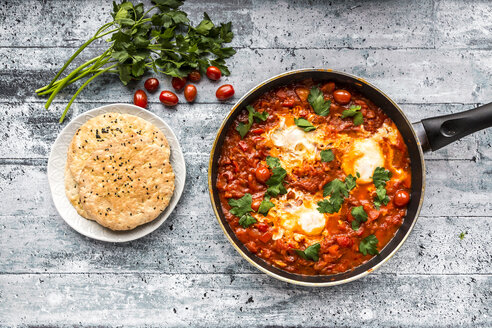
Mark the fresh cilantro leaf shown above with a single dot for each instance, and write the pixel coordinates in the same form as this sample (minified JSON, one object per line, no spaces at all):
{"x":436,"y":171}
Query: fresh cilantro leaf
{"x":381,"y":197}
{"x":350,"y":181}
{"x":379,"y":178}
{"x":241,"y":206}
{"x":304,"y":124}
{"x":273,"y":162}
{"x":265,"y":205}
{"x":462,"y":235}
{"x":246,"y":220}
{"x":310,"y":253}
{"x":359,"y":216}
{"x":327,"y":155}
{"x":338,"y":190}
{"x":368,"y":245}
{"x":275,"y":183}
{"x":243,"y":128}
{"x":331,"y":206}
{"x":354,"y":112}
{"x":317,"y":101}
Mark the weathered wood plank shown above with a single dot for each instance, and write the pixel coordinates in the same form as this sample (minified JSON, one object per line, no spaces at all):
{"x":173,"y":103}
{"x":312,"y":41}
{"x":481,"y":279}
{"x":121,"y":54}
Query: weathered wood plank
{"x":243,"y":300}
{"x":323,"y":24}
{"x":474,"y":27}
{"x":195,"y":243}
{"x":30,"y":130}
{"x":455,"y":188}
{"x":408,"y":76}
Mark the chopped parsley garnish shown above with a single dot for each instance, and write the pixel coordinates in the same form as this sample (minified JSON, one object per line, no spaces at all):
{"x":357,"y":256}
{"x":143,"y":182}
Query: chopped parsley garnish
{"x":379,"y":178}
{"x":310,"y":253}
{"x":275,"y":183}
{"x":317,"y":100}
{"x":243,"y":128}
{"x":247,"y":220}
{"x":359,"y":216}
{"x":304,"y":124}
{"x":463,"y":234}
{"x":241,"y":208}
{"x":368,"y":245}
{"x":327,"y":155}
{"x":337,"y":190}
{"x":354,"y":111}
{"x":265,"y":205}
{"x":350,"y":180}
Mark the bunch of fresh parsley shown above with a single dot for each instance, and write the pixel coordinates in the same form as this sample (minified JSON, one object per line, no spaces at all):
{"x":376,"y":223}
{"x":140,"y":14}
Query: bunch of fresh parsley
{"x":165,"y":42}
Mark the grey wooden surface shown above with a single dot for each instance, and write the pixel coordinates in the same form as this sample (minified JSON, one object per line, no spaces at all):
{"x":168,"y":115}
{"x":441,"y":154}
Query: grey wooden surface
{"x":432,"y":57}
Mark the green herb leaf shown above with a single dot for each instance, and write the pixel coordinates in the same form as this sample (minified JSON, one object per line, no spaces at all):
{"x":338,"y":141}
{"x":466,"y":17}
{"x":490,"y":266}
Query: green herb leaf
{"x":310,"y":253}
{"x":327,"y":155}
{"x":275,"y":183}
{"x":243,"y":128}
{"x":350,"y":181}
{"x":359,"y":216}
{"x":265,"y":205}
{"x":241,"y":206}
{"x":246,"y":220}
{"x":273,"y":162}
{"x":462,"y":235}
{"x":354,"y":112}
{"x":304,"y":124}
{"x":379,"y":178}
{"x":368,"y":245}
{"x":338,"y":190}
{"x":317,"y":101}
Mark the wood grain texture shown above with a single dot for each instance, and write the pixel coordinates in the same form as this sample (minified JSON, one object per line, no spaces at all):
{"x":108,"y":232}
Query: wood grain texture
{"x":433,"y":57}
{"x":407,"y":75}
{"x":244,"y":300}
{"x":434,"y":247}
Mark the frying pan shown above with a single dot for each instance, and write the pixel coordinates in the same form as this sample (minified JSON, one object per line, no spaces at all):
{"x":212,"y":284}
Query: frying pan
{"x":428,"y":134}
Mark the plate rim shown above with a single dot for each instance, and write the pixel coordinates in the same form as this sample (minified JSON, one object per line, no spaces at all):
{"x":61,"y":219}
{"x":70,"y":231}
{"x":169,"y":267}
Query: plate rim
{"x":180,"y":181}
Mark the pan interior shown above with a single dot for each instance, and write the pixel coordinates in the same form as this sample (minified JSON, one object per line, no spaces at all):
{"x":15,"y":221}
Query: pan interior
{"x":405,"y":128}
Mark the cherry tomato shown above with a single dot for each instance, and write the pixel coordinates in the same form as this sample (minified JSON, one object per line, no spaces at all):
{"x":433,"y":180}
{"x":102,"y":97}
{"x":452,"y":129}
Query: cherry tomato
{"x":401,"y":198}
{"x":140,"y":98}
{"x":262,"y":227}
{"x":342,"y":96}
{"x":213,"y":73}
{"x":168,"y":98}
{"x":178,"y":83}
{"x":151,"y":84}
{"x":194,"y":76}
{"x":224,"y":92}
{"x":262,"y":174}
{"x":190,"y":92}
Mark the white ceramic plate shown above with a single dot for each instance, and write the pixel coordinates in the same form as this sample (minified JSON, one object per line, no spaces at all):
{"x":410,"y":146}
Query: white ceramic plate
{"x":56,"y":168}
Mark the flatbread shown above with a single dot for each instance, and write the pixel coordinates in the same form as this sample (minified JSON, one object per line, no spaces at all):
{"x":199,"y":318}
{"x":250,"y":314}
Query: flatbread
{"x":127,"y":185}
{"x":103,"y":131}
{"x":72,"y":192}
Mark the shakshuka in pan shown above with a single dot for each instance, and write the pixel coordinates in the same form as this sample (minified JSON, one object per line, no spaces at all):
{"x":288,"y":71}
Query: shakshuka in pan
{"x":314,"y":178}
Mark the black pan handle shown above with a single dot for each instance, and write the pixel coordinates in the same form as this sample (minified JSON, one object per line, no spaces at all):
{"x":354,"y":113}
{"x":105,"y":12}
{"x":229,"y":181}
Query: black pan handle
{"x":437,"y":132}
